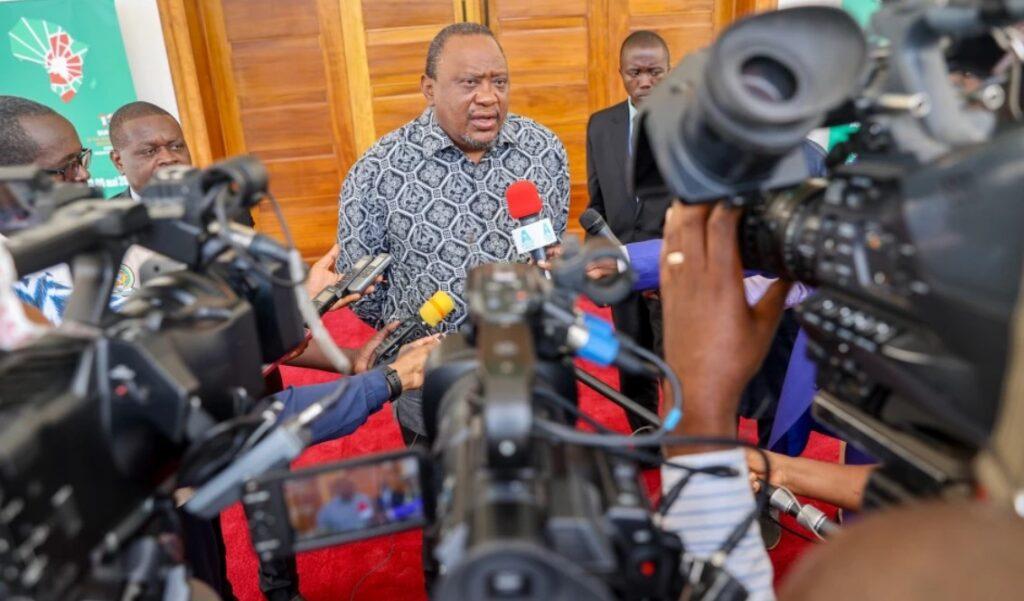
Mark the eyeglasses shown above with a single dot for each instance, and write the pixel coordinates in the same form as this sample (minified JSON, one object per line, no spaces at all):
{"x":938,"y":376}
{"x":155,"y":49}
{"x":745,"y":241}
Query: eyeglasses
{"x":67,"y":172}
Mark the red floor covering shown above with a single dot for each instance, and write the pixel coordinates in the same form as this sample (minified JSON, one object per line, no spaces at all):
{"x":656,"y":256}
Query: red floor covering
{"x":388,"y":568}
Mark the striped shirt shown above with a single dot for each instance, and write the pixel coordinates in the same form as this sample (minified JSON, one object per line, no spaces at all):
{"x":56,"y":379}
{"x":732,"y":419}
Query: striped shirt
{"x":709,"y":508}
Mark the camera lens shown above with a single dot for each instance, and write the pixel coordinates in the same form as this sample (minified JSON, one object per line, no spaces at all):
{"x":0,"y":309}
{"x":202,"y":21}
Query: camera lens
{"x":767,"y":79}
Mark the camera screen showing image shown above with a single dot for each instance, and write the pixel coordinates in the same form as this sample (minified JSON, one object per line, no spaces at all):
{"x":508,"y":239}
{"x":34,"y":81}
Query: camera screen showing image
{"x":348,"y":502}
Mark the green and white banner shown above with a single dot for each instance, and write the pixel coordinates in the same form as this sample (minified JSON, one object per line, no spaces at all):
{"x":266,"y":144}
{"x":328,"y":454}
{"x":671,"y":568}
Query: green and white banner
{"x":69,"y":55}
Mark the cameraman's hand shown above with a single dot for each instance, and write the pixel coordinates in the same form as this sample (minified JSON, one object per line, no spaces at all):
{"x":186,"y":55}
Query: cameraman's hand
{"x":362,"y":360}
{"x":411,"y":359}
{"x":714,"y":340}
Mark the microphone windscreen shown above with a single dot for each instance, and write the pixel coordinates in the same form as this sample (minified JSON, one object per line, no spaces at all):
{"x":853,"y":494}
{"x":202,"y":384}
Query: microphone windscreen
{"x":523,"y":199}
{"x":436,"y":308}
{"x":591,"y":221}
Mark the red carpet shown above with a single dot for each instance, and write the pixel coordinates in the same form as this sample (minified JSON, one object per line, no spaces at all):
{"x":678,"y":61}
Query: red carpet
{"x":388,"y":568}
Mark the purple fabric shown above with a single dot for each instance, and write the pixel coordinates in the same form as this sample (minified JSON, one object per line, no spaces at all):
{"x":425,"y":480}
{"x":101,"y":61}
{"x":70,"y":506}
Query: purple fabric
{"x":643,"y":258}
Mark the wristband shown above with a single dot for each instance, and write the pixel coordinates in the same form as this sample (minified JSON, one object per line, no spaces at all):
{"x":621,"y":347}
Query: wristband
{"x":394,"y":382}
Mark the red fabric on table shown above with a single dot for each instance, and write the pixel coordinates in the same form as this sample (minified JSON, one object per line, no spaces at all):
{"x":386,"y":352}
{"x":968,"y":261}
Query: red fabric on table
{"x":388,"y":568}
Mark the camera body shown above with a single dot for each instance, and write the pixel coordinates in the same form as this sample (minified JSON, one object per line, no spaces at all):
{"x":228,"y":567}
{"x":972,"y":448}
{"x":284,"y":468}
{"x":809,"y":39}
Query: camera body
{"x":521,"y":516}
{"x":97,"y":414}
{"x":913,"y":248}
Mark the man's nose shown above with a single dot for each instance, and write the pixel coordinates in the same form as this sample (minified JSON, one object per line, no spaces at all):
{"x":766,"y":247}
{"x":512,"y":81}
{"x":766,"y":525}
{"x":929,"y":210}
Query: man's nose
{"x":486,"y":94}
{"x":81,"y":174}
{"x":165,"y":158}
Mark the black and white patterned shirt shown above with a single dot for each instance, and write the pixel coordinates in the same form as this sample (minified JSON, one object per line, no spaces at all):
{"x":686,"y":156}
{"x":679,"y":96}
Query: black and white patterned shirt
{"x":415,"y":195}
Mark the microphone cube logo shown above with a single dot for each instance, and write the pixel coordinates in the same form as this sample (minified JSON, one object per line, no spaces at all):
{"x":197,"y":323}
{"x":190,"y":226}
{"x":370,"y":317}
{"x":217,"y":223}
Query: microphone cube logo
{"x":51,"y":47}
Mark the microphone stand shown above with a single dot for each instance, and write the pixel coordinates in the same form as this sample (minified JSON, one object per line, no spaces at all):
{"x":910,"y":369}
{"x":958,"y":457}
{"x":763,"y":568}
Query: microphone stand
{"x":598,"y":386}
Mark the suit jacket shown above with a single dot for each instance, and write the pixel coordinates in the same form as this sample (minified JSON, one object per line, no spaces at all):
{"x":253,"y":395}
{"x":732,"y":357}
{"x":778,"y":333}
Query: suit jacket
{"x":607,"y":155}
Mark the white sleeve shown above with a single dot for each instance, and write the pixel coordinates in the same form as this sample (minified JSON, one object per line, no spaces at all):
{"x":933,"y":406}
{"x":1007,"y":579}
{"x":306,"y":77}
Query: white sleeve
{"x":708,"y":510}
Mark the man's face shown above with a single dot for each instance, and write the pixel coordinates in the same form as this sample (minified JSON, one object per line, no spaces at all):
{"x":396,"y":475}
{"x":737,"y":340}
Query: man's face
{"x":470,"y":94}
{"x":149,"y":143}
{"x":345,"y":490}
{"x":641,"y":69}
{"x":60,"y":149}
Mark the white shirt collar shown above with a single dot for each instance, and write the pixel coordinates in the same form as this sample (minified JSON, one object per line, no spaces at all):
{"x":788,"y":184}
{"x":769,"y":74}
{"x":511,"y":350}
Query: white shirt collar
{"x":135,"y":195}
{"x":632,"y":109}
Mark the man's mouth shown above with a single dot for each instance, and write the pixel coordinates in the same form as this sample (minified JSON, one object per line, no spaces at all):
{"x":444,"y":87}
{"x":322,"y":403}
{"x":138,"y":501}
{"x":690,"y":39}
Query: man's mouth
{"x":484,"y":122}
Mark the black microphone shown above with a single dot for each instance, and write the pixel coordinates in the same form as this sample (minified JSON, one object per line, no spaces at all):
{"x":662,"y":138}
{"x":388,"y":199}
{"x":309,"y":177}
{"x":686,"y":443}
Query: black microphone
{"x":414,"y":327}
{"x":595,"y":225}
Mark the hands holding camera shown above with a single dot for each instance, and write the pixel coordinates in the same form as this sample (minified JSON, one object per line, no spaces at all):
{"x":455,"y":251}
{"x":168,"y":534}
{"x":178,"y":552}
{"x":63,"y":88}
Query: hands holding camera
{"x":717,"y":341}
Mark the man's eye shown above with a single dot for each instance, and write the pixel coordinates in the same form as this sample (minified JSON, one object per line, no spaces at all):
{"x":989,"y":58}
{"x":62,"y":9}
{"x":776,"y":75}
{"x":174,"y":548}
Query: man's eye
{"x":178,"y":147}
{"x":634,"y":73}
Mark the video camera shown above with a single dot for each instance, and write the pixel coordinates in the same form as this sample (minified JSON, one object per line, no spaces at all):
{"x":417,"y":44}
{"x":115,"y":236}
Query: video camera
{"x":96,"y":416}
{"x":914,"y":247}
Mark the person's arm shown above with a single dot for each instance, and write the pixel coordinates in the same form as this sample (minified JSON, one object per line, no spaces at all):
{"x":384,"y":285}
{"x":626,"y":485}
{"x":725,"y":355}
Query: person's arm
{"x":313,"y":357}
{"x":835,"y":483}
{"x":714,"y":342}
{"x":365,"y":395}
{"x":362,"y":230}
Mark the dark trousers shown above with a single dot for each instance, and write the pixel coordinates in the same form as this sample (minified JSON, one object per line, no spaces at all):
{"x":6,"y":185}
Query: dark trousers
{"x":640,"y":319}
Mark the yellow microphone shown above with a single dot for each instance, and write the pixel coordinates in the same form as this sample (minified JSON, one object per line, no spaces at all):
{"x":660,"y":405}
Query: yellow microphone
{"x":431,"y":313}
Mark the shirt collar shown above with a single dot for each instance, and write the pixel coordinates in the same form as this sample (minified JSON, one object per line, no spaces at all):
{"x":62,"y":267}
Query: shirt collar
{"x":135,"y":195}
{"x":433,"y":129}
{"x":632,"y":109}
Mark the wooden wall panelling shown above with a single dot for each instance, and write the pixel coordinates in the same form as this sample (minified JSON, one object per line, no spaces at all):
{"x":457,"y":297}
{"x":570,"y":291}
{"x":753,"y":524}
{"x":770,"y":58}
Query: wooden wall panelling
{"x":548,"y":46}
{"x":283,"y":95}
{"x":394,"y":54}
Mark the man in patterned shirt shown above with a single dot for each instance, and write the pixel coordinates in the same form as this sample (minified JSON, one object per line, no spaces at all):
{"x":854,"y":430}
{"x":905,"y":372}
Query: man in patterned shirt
{"x":432,"y":193}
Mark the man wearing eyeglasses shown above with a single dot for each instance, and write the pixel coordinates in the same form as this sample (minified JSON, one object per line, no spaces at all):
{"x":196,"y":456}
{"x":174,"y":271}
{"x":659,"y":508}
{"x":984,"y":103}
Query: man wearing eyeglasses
{"x":34,"y":134}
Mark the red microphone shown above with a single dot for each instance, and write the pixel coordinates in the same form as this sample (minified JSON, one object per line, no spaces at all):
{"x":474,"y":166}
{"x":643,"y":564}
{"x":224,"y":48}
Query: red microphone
{"x":523,"y":201}
{"x":525,"y":206}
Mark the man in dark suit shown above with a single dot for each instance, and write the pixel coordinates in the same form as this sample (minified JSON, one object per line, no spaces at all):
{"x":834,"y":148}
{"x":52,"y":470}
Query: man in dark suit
{"x":643,"y":62}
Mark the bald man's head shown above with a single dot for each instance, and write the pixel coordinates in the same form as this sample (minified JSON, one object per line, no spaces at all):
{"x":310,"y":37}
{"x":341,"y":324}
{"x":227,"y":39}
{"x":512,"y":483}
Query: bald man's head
{"x":931,"y":552}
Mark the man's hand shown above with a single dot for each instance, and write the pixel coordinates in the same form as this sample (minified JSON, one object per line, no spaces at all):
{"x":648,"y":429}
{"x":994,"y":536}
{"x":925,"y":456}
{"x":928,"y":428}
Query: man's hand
{"x":551,"y":253}
{"x":411,"y":359}
{"x":322,"y":273}
{"x":602,"y":268}
{"x":362,"y":360}
{"x":758,"y":471}
{"x":714,"y":340}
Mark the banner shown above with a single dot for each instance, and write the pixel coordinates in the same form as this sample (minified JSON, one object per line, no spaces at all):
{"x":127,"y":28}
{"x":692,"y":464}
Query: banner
{"x":69,"y":55}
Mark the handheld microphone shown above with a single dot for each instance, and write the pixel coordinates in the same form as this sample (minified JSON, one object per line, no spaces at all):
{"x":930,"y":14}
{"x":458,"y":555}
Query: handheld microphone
{"x":524,"y":205}
{"x":808,"y":516}
{"x":595,"y":225}
{"x":431,"y":313}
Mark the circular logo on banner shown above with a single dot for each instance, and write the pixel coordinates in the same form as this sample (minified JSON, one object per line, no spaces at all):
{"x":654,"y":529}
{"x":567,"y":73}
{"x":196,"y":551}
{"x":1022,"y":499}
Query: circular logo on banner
{"x":125,"y":280}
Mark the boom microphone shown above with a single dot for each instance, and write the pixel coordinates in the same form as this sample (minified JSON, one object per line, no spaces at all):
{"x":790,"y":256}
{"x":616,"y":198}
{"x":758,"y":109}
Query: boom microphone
{"x":414,"y":327}
{"x":524,"y":205}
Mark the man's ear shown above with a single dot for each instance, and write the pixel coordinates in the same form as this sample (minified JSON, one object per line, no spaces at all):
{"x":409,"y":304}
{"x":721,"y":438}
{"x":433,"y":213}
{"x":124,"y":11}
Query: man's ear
{"x":115,"y":158}
{"x":427,"y":87}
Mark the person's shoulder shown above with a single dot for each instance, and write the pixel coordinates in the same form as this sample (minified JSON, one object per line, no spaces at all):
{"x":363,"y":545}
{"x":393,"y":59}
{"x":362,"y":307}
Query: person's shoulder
{"x":408,"y":133}
{"x":607,"y":114}
{"x":521,"y":126}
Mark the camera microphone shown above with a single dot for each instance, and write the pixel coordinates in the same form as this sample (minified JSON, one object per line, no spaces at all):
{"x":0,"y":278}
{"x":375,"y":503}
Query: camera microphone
{"x":432,"y":312}
{"x":808,"y":516}
{"x":536,"y":232}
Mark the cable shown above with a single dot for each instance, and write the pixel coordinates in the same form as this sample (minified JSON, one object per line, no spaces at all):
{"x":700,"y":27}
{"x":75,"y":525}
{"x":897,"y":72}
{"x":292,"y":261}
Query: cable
{"x":553,"y":397}
{"x":793,"y":532}
{"x":675,"y":414}
{"x":380,"y":564}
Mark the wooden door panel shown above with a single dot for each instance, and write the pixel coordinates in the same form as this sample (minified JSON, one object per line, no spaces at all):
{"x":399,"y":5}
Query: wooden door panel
{"x":260,"y":67}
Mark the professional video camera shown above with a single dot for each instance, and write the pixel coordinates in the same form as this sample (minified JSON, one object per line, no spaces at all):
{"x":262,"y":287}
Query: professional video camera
{"x":96,"y":415}
{"x":914,"y":247}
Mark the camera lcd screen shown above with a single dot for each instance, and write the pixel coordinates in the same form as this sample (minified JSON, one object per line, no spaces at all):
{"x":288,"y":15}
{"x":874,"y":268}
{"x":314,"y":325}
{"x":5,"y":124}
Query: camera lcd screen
{"x":355,"y":502}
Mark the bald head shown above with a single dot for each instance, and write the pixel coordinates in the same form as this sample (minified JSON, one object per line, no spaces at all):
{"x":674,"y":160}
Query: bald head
{"x":931,"y":552}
